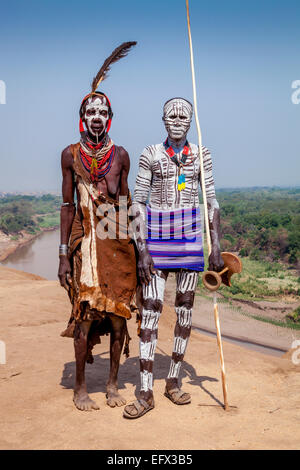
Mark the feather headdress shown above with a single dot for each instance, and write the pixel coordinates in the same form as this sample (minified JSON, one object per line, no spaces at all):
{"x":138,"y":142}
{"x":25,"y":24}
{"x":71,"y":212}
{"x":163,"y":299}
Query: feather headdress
{"x":116,"y":55}
{"x":120,"y":52}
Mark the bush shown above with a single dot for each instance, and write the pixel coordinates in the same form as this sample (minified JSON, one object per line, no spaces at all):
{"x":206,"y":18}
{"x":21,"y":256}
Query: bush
{"x":294,"y":316}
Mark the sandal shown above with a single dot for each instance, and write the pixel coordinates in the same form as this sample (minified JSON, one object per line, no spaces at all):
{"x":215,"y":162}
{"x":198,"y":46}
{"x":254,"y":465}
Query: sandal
{"x":176,"y":396}
{"x":141,"y":407}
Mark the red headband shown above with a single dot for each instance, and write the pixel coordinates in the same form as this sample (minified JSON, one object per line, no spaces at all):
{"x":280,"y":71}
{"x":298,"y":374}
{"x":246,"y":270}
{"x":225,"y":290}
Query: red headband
{"x":81,"y":128}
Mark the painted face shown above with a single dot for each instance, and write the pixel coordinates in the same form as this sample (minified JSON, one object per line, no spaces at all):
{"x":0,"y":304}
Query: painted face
{"x":96,"y":115}
{"x":177,"y":118}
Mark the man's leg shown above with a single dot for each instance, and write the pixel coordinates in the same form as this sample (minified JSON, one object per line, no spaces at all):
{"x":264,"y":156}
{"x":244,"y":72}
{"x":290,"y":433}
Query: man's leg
{"x":152,"y":304}
{"x":81,"y":399}
{"x":117,"y":335}
{"x":185,"y":291}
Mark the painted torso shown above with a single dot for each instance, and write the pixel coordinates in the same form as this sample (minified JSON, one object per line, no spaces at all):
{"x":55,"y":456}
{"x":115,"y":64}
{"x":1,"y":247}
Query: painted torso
{"x":158,"y":178}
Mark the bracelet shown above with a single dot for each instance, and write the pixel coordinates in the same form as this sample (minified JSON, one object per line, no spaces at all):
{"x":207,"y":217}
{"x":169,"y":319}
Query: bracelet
{"x":63,"y":250}
{"x":67,"y":204}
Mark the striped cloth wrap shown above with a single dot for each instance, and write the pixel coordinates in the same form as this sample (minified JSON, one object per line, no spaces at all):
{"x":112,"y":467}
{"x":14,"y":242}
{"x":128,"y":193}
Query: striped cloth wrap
{"x":174,"y":238}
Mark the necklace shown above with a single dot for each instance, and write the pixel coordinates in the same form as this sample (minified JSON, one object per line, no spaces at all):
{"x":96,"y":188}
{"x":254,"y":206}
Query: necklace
{"x":97,"y":159}
{"x":180,"y":163}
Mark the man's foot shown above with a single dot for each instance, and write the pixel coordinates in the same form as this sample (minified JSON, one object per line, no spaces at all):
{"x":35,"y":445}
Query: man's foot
{"x":83,"y":402}
{"x":113,"y":397}
{"x":177,"y":396}
{"x":138,"y":408}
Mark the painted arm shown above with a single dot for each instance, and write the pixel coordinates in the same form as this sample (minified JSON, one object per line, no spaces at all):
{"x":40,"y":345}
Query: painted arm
{"x":141,"y":193}
{"x":215,"y":259}
{"x":67,"y":214}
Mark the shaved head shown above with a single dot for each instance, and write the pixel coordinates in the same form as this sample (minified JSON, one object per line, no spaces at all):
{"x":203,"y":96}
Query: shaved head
{"x":177,"y":116}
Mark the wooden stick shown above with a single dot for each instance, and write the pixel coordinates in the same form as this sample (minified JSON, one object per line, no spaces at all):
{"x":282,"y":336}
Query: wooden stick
{"x":219,"y":340}
{"x":199,"y":133}
{"x":208,"y":240}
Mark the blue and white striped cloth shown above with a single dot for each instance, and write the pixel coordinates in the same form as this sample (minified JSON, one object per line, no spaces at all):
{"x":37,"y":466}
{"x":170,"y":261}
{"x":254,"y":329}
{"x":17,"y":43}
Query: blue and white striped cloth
{"x":174,"y":238}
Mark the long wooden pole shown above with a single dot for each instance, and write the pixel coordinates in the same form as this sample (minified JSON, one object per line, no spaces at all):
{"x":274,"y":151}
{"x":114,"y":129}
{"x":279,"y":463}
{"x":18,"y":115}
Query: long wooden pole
{"x":219,"y":340}
{"x":216,"y":312}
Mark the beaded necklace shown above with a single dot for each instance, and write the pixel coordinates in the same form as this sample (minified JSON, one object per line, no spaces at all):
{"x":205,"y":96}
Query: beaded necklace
{"x":179,"y":163}
{"x":96,"y":161}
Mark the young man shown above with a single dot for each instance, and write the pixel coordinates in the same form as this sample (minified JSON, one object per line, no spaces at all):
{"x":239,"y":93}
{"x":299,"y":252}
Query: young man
{"x":98,"y":268}
{"x":169,"y":174}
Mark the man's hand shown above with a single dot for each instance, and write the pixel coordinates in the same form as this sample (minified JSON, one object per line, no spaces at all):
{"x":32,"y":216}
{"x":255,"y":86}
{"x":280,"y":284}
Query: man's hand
{"x":215,"y":259}
{"x":64,"y":272}
{"x":145,"y":267}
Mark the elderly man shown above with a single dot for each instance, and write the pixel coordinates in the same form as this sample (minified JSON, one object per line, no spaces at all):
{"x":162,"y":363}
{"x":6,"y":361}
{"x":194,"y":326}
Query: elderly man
{"x":169,"y":175}
{"x":97,"y":267}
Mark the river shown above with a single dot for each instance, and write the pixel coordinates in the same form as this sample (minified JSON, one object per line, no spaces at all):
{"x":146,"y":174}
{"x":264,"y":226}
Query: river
{"x":41,"y":257}
{"x":37,"y":257}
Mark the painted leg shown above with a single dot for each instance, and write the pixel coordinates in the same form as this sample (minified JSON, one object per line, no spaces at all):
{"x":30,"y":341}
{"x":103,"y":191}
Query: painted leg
{"x":81,"y":399}
{"x":151,"y":309}
{"x":186,"y":285}
{"x":116,"y":344}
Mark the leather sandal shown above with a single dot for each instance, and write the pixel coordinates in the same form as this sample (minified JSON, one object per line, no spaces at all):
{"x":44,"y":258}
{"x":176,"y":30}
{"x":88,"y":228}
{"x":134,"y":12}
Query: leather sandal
{"x":141,"y":407}
{"x":176,"y":395}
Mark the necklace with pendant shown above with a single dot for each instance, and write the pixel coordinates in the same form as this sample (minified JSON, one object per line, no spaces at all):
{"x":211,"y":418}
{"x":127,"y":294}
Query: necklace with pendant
{"x":180,"y":164}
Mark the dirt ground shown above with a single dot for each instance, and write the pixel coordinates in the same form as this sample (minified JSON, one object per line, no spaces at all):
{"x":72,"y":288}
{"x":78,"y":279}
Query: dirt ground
{"x":36,"y":383}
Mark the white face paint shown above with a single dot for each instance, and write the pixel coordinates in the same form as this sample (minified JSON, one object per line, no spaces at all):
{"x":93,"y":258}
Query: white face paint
{"x":96,"y":115}
{"x":177,"y":118}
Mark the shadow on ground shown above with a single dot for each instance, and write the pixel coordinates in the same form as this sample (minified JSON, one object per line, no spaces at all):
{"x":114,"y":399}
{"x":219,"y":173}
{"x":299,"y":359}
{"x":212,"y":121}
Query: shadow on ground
{"x":97,"y":374}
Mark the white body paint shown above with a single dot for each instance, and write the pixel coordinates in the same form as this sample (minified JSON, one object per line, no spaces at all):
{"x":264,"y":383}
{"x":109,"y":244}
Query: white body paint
{"x":147,"y":350}
{"x":94,"y":110}
{"x":156,"y":288}
{"x":174,"y":369}
{"x":177,"y":118}
{"x":157,"y":186}
{"x":184,"y":314}
{"x":212,"y":204}
{"x":146,"y":380}
{"x":149,"y":320}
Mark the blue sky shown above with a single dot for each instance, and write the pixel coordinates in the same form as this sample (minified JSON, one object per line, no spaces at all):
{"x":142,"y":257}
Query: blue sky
{"x":247,"y":54}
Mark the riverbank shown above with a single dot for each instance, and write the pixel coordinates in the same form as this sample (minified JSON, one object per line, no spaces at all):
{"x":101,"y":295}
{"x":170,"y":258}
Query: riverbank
{"x":243,"y":322}
{"x":8,"y":245}
{"x":37,"y":381}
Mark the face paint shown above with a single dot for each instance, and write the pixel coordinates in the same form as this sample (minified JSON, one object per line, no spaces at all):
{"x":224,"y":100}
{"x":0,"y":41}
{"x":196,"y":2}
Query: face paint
{"x":96,"y":115}
{"x":177,"y":118}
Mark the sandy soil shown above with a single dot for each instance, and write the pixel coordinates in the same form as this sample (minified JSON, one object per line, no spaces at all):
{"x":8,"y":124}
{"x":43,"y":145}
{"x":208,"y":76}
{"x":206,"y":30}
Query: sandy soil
{"x":36,"y":383}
